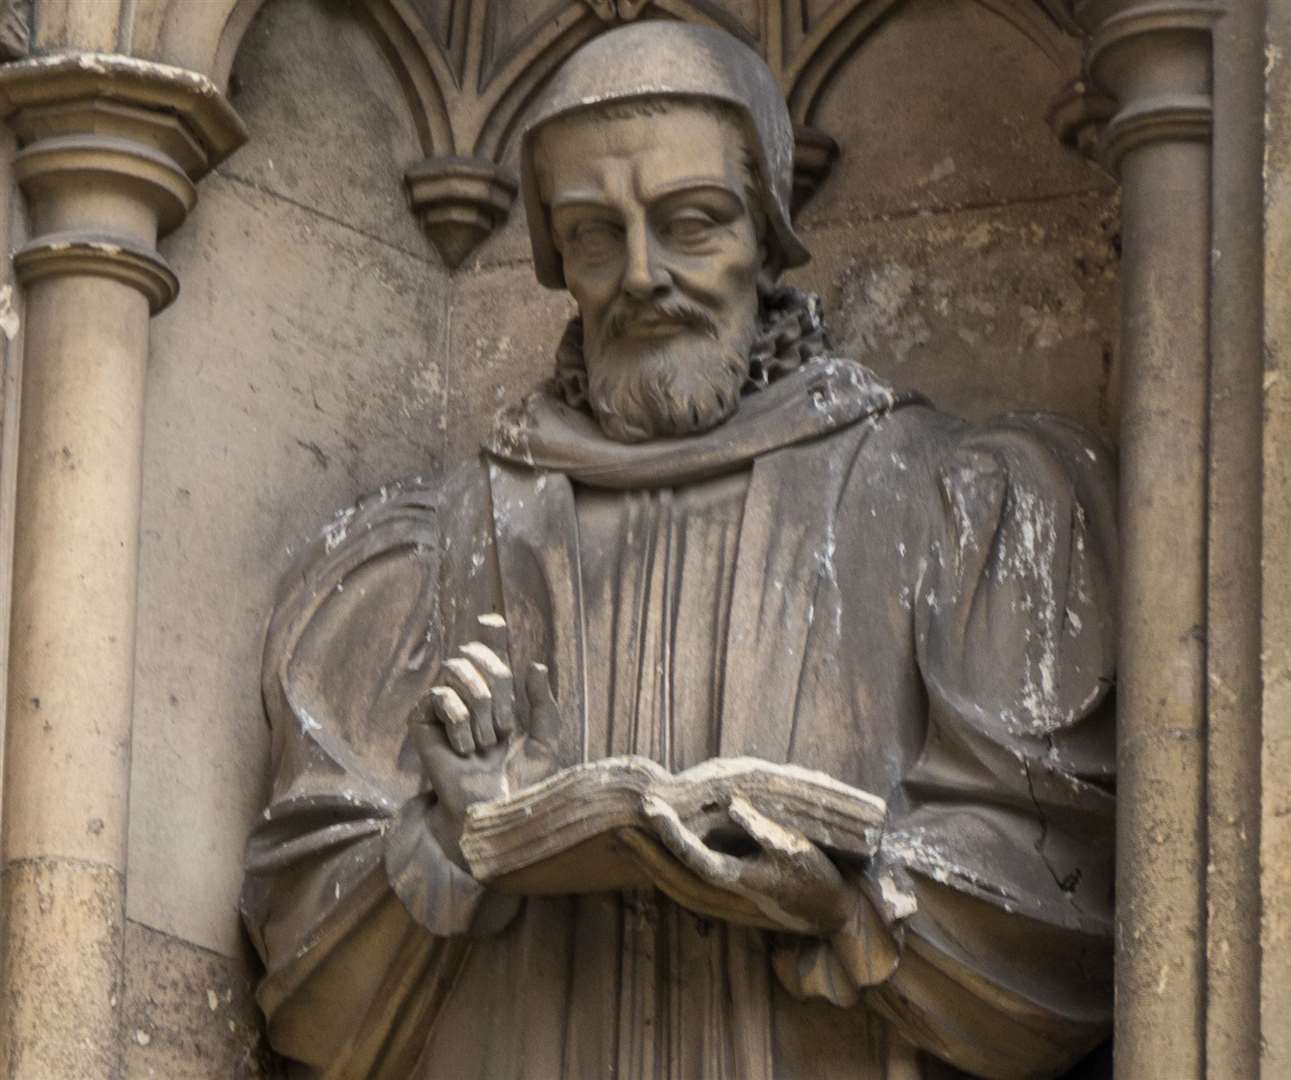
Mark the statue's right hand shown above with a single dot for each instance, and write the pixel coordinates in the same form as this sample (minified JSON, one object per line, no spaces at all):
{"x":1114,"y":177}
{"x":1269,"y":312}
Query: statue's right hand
{"x":476,"y":738}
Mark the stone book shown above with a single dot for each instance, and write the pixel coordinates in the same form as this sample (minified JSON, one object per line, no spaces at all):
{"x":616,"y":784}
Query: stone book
{"x":563,"y":834}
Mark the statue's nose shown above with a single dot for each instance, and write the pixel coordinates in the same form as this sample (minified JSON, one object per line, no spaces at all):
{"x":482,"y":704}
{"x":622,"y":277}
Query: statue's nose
{"x":644,"y":275}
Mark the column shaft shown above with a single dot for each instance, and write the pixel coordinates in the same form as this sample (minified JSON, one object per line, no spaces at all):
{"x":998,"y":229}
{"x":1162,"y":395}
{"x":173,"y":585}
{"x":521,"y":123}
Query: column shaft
{"x":1160,"y":891}
{"x":75,"y":569}
{"x":67,"y":767}
{"x":1233,"y":959}
{"x":1154,"y":59}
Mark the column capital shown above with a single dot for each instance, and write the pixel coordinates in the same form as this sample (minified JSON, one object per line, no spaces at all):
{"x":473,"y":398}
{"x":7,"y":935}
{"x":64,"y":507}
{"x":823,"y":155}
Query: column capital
{"x":111,"y":147}
{"x":1154,"y":59}
{"x":63,"y":93}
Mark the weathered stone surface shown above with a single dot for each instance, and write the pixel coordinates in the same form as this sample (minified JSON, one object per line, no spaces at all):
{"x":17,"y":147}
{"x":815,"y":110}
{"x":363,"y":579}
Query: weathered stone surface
{"x":190,"y":1014}
{"x":302,"y":367}
{"x":332,"y":130}
{"x":944,"y":105}
{"x":983,"y":311}
{"x":503,"y":330}
{"x":61,"y":918}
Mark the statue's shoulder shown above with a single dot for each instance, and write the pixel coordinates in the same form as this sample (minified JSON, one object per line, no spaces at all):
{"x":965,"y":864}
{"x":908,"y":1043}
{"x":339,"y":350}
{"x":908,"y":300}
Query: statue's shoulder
{"x":915,"y":427}
{"x":391,"y":540}
{"x":394,"y":513}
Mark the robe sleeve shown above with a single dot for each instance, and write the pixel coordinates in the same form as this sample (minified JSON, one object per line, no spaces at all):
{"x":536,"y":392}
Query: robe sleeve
{"x":358,"y":915}
{"x":993,"y":880}
{"x":1015,"y":627}
{"x":998,"y":859}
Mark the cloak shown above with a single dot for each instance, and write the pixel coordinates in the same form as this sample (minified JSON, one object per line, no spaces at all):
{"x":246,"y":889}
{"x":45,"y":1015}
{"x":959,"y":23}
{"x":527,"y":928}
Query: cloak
{"x":839,"y":577}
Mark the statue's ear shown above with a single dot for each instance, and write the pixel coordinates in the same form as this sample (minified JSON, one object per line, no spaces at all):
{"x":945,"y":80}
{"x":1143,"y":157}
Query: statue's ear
{"x":772,"y":267}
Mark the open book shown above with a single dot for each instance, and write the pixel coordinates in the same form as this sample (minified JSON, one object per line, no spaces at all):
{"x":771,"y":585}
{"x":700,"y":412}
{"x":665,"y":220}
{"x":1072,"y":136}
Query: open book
{"x":561,"y":835}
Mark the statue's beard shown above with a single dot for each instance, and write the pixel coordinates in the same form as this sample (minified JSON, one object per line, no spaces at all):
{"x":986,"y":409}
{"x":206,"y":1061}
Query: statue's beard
{"x":692,"y":381}
{"x":683,"y":384}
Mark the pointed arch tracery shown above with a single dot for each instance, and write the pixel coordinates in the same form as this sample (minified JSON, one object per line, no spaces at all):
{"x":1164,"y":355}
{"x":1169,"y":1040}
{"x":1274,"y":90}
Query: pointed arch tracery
{"x":469,"y":68}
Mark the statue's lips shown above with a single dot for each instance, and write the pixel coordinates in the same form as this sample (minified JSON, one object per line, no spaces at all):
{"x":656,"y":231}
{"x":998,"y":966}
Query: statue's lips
{"x":652,"y":328}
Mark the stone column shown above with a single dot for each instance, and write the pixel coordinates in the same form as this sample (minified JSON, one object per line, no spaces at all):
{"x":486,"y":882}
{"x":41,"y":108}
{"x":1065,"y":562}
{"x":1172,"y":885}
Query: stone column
{"x":1235,"y":1036}
{"x":110,"y":149}
{"x":1154,"y":59}
{"x":1275,"y":584}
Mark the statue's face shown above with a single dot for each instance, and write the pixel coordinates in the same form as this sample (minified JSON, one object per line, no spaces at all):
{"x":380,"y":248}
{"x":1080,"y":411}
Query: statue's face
{"x":661,"y":250}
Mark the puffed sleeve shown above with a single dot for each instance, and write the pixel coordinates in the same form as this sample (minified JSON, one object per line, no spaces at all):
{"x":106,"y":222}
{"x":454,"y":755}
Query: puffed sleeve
{"x":998,"y":859}
{"x":351,"y":904}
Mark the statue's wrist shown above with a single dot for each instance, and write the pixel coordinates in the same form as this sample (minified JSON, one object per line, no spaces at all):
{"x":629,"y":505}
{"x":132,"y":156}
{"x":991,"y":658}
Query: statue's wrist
{"x":447,"y":831}
{"x":438,"y":891}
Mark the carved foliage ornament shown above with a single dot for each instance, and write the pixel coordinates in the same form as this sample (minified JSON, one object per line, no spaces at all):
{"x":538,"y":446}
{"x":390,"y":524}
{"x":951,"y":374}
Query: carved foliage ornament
{"x":471,"y":66}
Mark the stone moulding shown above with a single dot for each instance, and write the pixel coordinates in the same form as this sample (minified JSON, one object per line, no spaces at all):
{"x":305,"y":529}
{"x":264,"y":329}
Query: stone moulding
{"x":91,"y":122}
{"x":92,"y":78}
{"x":60,"y":254}
{"x":1134,"y":41}
{"x":459,"y":202}
{"x":77,"y":158}
{"x":1172,"y":117}
{"x":1078,"y":115}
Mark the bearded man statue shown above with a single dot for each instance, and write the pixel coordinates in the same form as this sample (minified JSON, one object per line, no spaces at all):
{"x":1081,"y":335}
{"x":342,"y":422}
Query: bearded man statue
{"x":706,"y":538}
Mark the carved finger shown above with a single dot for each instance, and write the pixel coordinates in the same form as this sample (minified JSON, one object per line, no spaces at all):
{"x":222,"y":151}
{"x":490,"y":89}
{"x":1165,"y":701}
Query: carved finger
{"x":787,"y":848}
{"x":460,"y":674}
{"x":501,"y":684}
{"x":544,"y":712}
{"x":427,"y":733}
{"x":451,"y":711}
{"x":712,"y":866}
{"x":770,"y":835}
{"x":492,"y":630}
{"x":688,"y":890}
{"x":791,"y":866}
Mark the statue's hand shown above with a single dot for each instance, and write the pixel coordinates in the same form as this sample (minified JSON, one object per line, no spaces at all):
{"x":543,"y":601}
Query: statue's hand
{"x":790,"y":881}
{"x":476,"y":738}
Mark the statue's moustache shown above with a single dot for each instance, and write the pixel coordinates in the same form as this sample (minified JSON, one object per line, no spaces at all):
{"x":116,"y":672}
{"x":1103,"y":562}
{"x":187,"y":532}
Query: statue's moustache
{"x":677,"y":311}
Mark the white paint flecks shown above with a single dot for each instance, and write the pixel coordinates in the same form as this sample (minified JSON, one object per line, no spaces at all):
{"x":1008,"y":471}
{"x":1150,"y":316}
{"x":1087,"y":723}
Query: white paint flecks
{"x":9,"y":323}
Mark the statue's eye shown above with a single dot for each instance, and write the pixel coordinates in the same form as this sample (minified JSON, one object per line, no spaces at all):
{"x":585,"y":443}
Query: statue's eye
{"x":597,"y":239}
{"x":689,"y":226}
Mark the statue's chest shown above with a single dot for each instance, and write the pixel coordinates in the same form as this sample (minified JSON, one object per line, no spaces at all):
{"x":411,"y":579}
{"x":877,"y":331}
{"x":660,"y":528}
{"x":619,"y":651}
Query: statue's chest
{"x":658,"y":575}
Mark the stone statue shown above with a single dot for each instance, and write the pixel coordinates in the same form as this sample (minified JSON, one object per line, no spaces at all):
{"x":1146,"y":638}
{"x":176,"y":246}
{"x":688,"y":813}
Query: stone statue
{"x":707,"y":538}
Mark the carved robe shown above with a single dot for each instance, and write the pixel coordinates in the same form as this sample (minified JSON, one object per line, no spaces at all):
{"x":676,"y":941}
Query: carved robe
{"x":836,"y":577}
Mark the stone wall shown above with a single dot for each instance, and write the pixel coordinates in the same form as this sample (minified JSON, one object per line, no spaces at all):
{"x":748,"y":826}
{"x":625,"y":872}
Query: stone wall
{"x":303,"y":365}
{"x":319,"y":349}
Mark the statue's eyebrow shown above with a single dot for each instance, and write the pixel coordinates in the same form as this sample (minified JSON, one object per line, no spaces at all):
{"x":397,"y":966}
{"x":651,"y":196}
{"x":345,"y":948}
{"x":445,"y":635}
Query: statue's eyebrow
{"x":694,"y":184}
{"x":579,"y":199}
{"x":595,"y":201}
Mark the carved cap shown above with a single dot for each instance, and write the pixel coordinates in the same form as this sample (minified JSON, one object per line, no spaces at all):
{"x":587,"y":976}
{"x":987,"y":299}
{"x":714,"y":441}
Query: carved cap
{"x":670,"y":59}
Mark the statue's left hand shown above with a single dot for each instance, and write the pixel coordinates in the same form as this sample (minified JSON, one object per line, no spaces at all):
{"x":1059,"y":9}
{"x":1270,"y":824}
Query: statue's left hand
{"x":790,"y":881}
